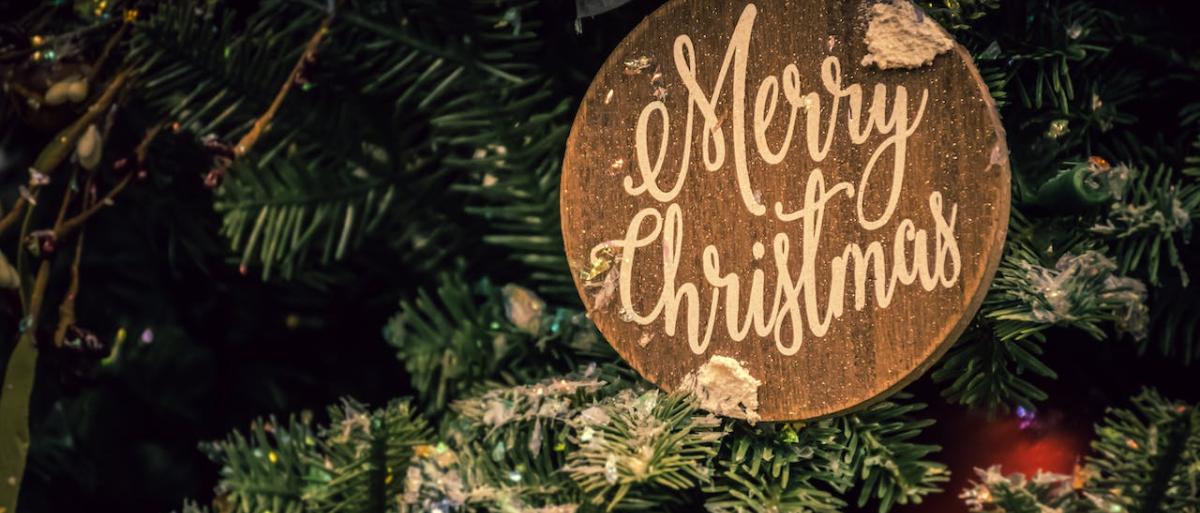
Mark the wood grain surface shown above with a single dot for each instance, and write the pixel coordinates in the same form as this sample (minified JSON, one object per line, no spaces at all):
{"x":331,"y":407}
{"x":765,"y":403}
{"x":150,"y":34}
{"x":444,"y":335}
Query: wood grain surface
{"x":816,"y":351}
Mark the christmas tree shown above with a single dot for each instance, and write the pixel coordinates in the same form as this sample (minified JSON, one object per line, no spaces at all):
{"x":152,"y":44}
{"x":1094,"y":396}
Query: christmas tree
{"x":211,"y":210}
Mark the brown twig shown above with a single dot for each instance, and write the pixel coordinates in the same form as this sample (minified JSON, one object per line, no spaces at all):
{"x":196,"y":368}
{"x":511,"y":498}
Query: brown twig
{"x":71,"y":224}
{"x":49,"y":39}
{"x":263,"y":122}
{"x":66,"y":200}
{"x":63,"y":228}
{"x":11,"y":216}
{"x":108,"y":48}
{"x":29,"y":94}
{"x":66,"y":310}
{"x":21,"y":368}
{"x":60,"y":147}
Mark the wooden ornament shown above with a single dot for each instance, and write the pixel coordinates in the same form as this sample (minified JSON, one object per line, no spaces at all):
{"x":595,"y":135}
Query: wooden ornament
{"x":792,"y":207}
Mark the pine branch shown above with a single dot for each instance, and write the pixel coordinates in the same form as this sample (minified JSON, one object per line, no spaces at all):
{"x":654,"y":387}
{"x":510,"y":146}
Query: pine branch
{"x":1144,"y":460}
{"x":462,"y":336}
{"x":364,"y":455}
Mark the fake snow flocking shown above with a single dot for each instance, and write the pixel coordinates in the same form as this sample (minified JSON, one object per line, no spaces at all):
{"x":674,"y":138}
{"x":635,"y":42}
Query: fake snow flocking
{"x":724,"y":387}
{"x":899,"y":35}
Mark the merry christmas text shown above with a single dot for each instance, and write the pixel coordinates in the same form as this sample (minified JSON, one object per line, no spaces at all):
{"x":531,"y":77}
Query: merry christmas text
{"x":924,"y":250}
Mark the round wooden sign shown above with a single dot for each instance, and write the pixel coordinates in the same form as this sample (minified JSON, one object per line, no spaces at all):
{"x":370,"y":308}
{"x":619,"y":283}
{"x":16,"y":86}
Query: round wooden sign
{"x":792,"y":207}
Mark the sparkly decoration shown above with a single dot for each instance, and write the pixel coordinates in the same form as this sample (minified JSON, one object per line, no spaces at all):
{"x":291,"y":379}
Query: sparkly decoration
{"x":147,"y":336}
{"x":607,"y":290}
{"x":523,"y":308}
{"x":79,"y":337}
{"x":24,"y":324}
{"x":625,"y":315}
{"x":587,"y":434}
{"x":1104,"y":176}
{"x":1026,"y":418}
{"x":1080,"y":476}
{"x":789,"y":436}
{"x":1074,"y":30}
{"x":658,"y":86}
{"x":38,"y":178}
{"x":42,"y":243}
{"x":645,"y":339}
{"x":214,"y":177}
{"x":637,"y":65}
{"x":602,"y":260}
{"x":514,"y":476}
{"x":1132,"y":444}
{"x":608,"y":97}
{"x":273,"y":457}
{"x":610,"y":469}
{"x":1057,"y":129}
{"x":498,"y":451}
{"x":131,"y":15}
{"x":1056,"y":294}
{"x":37,"y":40}
{"x":26,"y":195}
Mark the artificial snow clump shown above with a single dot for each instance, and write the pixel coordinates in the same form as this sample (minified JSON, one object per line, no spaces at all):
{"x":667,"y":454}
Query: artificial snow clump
{"x":724,"y":387}
{"x":523,"y":308}
{"x":899,"y":35}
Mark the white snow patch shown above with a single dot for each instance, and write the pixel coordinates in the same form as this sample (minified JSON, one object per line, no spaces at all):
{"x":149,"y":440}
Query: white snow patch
{"x":724,"y":387}
{"x":899,"y":35}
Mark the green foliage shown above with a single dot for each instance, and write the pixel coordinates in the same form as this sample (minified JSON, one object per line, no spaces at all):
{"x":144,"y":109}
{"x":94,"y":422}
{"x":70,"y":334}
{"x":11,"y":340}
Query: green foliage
{"x":1068,"y":100}
{"x":654,"y":443}
{"x":1144,"y":460}
{"x":810,"y":467}
{"x":989,"y":373}
{"x":266,"y":469}
{"x":884,"y":464}
{"x":348,"y":466}
{"x":1150,"y":222}
{"x":461,"y":336}
{"x":1148,"y":459}
{"x":996,"y":493}
{"x":595,"y":440}
{"x":363,"y":455}
{"x":462,"y":98}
